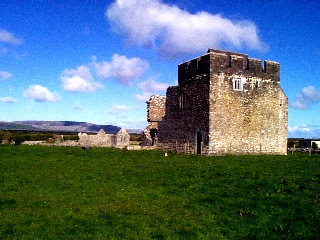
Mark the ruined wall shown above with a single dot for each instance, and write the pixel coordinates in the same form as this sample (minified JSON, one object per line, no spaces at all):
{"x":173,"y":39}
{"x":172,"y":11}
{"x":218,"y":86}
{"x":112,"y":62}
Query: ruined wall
{"x":122,"y":139}
{"x":156,"y":108}
{"x":226,"y":103}
{"x":155,"y":112}
{"x":101,"y":139}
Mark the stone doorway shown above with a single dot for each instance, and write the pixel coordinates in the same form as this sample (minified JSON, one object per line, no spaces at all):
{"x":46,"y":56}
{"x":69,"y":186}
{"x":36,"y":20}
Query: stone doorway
{"x":153,"y":134}
{"x":199,"y":143}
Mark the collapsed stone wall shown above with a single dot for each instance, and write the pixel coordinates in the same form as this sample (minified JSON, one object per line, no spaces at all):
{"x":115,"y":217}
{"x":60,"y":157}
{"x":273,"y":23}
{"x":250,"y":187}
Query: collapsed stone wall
{"x":101,"y":139}
{"x":155,"y":112}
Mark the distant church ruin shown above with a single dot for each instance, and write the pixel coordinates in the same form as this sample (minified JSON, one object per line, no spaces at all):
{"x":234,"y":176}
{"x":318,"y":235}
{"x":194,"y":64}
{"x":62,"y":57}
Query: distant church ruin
{"x":101,"y":139}
{"x":225,"y":103}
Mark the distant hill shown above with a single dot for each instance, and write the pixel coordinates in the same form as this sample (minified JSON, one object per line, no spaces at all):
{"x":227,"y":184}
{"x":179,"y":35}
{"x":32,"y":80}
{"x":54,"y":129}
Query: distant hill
{"x":57,"y":126}
{"x":14,"y":126}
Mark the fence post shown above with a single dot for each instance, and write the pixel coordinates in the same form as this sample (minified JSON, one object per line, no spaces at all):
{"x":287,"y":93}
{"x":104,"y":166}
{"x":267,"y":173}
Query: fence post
{"x":260,"y":148}
{"x":310,"y":151}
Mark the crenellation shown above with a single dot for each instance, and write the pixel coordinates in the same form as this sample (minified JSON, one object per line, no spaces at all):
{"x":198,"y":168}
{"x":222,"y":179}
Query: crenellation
{"x":230,"y":62}
{"x":272,"y":70}
{"x":255,"y":67}
{"x":238,"y":63}
{"x":193,"y":67}
{"x":204,"y":64}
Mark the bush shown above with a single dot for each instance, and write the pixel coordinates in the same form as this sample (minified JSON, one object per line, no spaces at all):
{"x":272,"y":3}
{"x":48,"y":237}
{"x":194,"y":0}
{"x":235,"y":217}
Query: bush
{"x":135,"y":137}
{"x":71,"y":137}
{"x":18,"y":139}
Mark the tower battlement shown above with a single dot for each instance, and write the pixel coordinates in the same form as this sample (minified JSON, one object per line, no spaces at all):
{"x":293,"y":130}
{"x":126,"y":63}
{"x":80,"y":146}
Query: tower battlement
{"x":218,"y":61}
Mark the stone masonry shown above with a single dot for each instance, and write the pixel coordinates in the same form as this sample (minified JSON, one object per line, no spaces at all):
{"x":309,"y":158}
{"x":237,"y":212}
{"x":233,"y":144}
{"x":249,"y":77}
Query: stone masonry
{"x":155,"y":113}
{"x":101,"y":139}
{"x":225,"y":103}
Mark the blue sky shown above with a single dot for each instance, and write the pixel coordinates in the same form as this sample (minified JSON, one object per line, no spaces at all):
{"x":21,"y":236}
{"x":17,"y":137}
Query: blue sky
{"x":99,"y":61}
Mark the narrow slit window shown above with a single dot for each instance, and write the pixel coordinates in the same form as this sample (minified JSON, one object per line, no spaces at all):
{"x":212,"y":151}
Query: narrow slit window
{"x":182,"y":100}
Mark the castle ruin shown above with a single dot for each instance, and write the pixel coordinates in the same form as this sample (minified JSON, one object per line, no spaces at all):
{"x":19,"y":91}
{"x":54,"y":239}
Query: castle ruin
{"x":225,"y":103}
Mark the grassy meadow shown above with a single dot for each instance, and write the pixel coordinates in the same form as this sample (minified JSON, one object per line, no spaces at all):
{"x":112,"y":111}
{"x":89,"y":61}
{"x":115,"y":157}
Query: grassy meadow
{"x":103,"y":193}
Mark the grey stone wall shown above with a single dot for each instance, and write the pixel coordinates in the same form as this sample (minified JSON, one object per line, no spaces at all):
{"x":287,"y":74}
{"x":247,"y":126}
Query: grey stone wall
{"x":122,"y":139}
{"x":101,"y":139}
{"x":225,"y":103}
{"x":155,"y":112}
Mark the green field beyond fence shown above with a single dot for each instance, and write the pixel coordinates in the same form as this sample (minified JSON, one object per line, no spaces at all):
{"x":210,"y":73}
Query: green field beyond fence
{"x":100,"y":193}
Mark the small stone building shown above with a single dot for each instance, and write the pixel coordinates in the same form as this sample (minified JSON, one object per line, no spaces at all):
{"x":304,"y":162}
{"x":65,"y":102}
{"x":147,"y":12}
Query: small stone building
{"x":101,"y":139}
{"x":225,"y":103}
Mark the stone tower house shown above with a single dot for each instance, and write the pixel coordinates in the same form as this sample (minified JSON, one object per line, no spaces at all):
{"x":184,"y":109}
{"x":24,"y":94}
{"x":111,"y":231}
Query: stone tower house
{"x":225,"y":103}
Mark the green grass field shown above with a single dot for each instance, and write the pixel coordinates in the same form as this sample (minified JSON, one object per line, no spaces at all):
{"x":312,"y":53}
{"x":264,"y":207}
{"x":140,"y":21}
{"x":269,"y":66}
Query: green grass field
{"x":70,"y":193}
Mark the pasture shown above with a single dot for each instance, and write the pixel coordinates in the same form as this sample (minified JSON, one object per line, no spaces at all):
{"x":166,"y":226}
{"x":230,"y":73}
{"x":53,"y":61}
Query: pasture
{"x":103,"y":193}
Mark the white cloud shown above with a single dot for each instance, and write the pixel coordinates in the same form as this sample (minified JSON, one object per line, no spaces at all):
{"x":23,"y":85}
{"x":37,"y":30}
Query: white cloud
{"x":121,"y":68}
{"x":41,"y":94}
{"x":79,"y":80}
{"x":9,"y":38}
{"x":304,"y":131}
{"x":131,"y":124}
{"x":5,"y":75}
{"x":174,"y":31}
{"x":77,"y":105}
{"x":151,"y":85}
{"x":149,"y":88}
{"x":8,"y":100}
{"x":116,"y":110}
{"x":143,"y":97}
{"x":307,"y":97}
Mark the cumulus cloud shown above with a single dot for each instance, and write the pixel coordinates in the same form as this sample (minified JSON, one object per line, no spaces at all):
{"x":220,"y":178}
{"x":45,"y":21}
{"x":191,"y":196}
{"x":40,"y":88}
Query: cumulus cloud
{"x":41,"y":94}
{"x":138,"y":125}
{"x":8,"y":100}
{"x":151,"y":85}
{"x":5,"y":75}
{"x":79,"y":80}
{"x":174,"y":31}
{"x":77,"y":105}
{"x":121,"y":68}
{"x":304,"y":131}
{"x":143,"y":97}
{"x":307,"y":97}
{"x":149,"y":88}
{"x":116,"y":110}
{"x":9,"y":38}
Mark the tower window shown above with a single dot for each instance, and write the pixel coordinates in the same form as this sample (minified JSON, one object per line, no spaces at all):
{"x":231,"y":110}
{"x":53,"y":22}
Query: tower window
{"x":182,"y":100}
{"x":237,"y":84}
